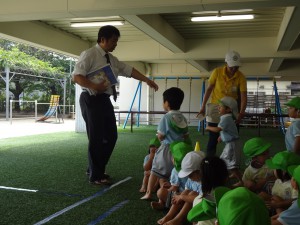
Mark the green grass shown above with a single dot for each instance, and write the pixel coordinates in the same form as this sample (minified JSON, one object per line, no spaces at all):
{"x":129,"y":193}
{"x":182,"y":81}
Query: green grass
{"x":55,"y":164}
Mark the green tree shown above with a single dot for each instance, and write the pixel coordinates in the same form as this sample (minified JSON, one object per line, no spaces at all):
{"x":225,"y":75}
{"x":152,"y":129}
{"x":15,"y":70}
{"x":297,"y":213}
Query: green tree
{"x":23,"y":64}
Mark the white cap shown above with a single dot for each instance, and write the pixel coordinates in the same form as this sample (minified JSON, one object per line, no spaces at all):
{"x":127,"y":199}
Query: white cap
{"x":190,"y":163}
{"x":233,"y":58}
{"x":230,"y":103}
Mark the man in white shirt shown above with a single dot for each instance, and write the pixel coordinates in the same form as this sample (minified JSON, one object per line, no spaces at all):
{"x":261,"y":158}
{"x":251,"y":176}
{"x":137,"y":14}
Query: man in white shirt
{"x":96,"y":107}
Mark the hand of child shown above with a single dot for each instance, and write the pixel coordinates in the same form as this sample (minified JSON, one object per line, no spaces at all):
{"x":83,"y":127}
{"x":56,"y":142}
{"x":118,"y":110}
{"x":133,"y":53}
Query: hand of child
{"x":166,"y":185}
{"x":173,"y":188}
{"x":176,"y":199}
{"x":219,"y":139}
{"x":153,"y":150}
{"x":276,"y":202}
{"x":260,"y":183}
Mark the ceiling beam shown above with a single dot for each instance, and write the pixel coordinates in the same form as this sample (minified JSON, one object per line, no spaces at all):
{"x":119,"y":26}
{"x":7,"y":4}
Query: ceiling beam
{"x":287,"y":35}
{"x":201,"y":65}
{"x":16,"y":10}
{"x":159,"y":30}
{"x":43,"y":36}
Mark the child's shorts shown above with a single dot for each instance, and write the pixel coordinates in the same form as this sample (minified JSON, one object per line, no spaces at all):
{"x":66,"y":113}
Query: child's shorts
{"x":162,"y":164}
{"x":232,"y":154}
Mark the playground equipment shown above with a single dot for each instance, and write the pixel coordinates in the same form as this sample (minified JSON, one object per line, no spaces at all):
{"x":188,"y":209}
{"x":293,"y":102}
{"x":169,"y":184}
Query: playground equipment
{"x":139,"y":89}
{"x":53,"y":109}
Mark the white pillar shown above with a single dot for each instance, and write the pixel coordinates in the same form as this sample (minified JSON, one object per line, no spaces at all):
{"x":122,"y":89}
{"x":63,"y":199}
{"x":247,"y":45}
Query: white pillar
{"x":79,"y":122}
{"x":7,"y":92}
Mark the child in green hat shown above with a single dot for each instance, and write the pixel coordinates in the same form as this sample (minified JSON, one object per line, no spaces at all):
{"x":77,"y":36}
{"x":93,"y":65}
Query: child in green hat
{"x":292,"y":136}
{"x":291,"y":216}
{"x":182,"y":203}
{"x":154,"y":144}
{"x":257,"y":176}
{"x":282,"y":192}
{"x":176,"y":184}
{"x":240,"y":206}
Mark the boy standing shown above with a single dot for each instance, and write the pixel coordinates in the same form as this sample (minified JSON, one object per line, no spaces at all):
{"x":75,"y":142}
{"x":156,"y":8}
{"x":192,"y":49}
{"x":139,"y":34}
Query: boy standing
{"x":172,"y":127}
{"x":228,"y":110}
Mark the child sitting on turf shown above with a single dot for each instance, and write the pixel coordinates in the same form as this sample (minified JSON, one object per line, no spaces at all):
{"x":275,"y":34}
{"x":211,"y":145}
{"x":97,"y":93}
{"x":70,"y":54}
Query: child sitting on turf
{"x":172,"y":127}
{"x":231,"y":154}
{"x":240,"y":206}
{"x":214,"y":174}
{"x":182,"y":203}
{"x":282,"y":192}
{"x":291,"y":216}
{"x":176,"y":184}
{"x":257,"y":176}
{"x":292,"y":136}
{"x":153,"y":146}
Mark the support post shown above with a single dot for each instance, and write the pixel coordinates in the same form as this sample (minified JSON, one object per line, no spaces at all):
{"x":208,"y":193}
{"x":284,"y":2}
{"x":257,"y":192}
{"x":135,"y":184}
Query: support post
{"x":7,"y":92}
{"x":139,"y":106}
{"x":277,"y":105}
{"x":65,"y":92}
{"x":130,"y":108}
{"x":201,"y":101}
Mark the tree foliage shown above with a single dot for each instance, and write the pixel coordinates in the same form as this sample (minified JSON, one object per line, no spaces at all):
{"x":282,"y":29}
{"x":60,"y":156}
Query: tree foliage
{"x":15,"y":59}
{"x":35,"y":71}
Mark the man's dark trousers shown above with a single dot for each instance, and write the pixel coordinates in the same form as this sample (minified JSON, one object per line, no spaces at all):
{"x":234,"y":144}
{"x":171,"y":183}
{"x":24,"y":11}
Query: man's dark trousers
{"x":98,"y":114}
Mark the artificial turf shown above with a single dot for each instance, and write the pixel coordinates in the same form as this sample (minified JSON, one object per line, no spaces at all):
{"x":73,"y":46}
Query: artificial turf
{"x":55,"y":164}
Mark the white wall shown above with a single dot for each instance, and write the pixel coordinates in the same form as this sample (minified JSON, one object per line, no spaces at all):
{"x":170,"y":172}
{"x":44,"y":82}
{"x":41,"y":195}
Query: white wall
{"x":267,"y":86}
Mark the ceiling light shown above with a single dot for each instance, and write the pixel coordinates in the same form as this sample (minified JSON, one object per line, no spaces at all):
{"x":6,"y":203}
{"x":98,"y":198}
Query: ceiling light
{"x":222,"y":18}
{"x":223,"y":11}
{"x":97,"y":24}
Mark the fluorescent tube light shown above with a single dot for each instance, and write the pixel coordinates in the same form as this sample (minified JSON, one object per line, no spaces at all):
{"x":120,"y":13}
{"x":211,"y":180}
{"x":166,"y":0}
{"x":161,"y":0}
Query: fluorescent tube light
{"x":97,"y":24}
{"x":222,"y":18}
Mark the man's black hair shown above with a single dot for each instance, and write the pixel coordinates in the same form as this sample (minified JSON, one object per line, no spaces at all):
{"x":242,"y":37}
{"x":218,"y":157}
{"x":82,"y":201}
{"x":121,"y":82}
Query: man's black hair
{"x":107,"y":32}
{"x":174,"y":96}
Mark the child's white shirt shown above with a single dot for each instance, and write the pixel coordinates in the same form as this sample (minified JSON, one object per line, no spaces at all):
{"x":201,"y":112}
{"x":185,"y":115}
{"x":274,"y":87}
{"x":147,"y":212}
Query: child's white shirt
{"x":284,"y":190}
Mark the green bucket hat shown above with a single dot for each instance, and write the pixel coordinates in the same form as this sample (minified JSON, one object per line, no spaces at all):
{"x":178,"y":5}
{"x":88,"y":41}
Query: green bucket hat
{"x":179,"y":149}
{"x":204,"y":210}
{"x":240,"y":206}
{"x":294,"y":171}
{"x":155,"y":142}
{"x":282,"y":160}
{"x":179,"y":123}
{"x":294,"y":102}
{"x":255,"y":146}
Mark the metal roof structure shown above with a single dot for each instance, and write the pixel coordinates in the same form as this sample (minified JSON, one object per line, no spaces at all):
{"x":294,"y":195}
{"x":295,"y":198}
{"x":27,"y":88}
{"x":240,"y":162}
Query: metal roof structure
{"x":161,"y":33}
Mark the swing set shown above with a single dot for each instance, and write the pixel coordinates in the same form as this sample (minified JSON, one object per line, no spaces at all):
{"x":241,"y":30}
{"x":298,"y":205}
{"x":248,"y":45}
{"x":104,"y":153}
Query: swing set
{"x":139,"y":91}
{"x":278,"y":117}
